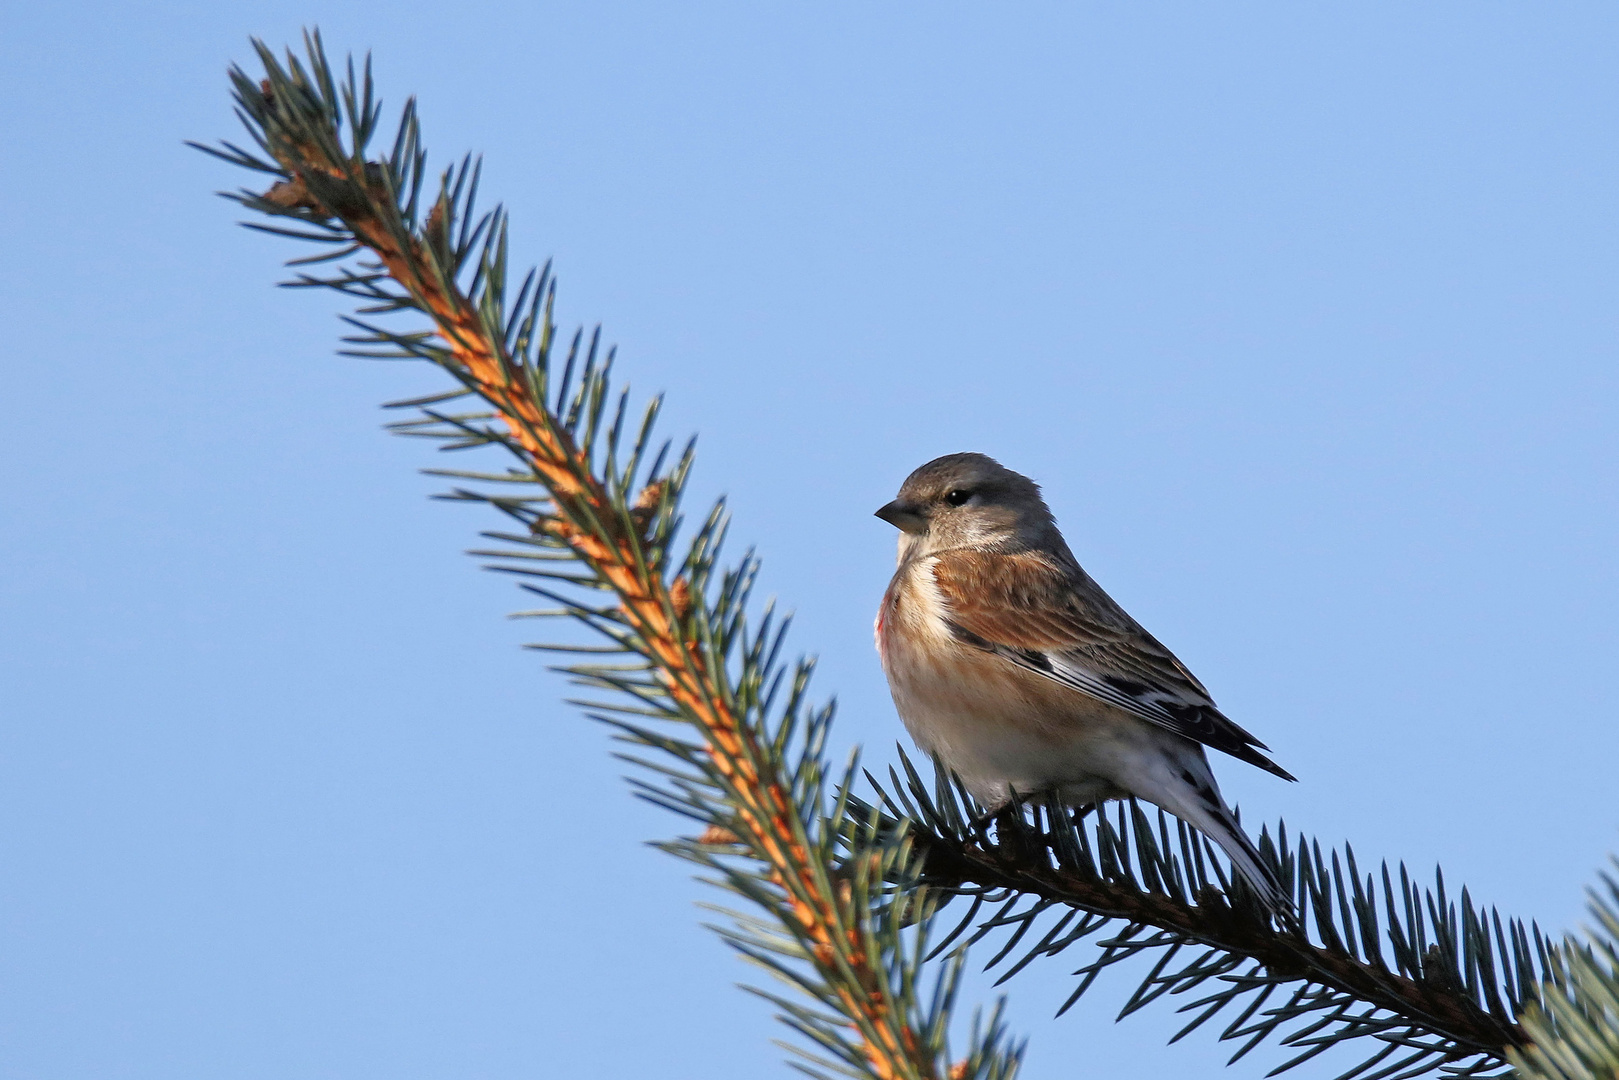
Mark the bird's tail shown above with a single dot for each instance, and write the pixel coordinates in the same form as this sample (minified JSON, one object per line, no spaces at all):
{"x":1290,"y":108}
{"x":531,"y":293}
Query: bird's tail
{"x":1223,"y":828}
{"x":1196,"y":801}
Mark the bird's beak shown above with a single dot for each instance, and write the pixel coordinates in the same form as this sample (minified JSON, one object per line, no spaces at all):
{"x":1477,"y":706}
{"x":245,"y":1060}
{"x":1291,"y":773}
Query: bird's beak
{"x":904,"y":517}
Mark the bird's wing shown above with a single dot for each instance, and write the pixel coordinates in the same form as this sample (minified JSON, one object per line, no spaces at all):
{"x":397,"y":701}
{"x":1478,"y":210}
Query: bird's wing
{"x":1048,"y":617}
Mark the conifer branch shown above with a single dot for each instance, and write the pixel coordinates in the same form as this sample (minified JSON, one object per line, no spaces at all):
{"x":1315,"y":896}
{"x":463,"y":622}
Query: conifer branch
{"x":1445,"y":994}
{"x":754,"y":776}
{"x":1573,"y":1030}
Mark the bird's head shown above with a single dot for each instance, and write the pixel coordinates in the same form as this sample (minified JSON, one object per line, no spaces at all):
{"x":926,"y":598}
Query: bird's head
{"x":969,"y":501}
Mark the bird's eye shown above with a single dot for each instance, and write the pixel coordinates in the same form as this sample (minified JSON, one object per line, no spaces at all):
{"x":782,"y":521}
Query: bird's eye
{"x":957,"y":497}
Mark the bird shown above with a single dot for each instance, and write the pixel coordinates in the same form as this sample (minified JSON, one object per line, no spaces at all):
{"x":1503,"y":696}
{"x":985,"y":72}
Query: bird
{"x":1013,"y":669}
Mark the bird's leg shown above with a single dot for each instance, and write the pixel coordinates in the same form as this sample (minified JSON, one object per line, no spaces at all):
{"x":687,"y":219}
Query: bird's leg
{"x":1011,"y":832}
{"x":1077,"y":814}
{"x":1007,"y":819}
{"x":1014,"y":834}
{"x":978,"y":827}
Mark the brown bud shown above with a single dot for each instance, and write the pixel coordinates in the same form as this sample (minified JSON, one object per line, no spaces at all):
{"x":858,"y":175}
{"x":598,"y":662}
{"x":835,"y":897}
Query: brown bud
{"x":1437,"y":972}
{"x":958,"y":1071}
{"x":433,"y":231}
{"x":680,"y":598}
{"x":717,"y":834}
{"x":291,"y":193}
{"x":646,"y":506}
{"x":559,"y":527}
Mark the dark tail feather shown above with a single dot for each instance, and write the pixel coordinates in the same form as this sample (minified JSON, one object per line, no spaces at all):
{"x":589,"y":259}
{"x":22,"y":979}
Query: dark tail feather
{"x":1224,"y":829}
{"x":1207,"y":812}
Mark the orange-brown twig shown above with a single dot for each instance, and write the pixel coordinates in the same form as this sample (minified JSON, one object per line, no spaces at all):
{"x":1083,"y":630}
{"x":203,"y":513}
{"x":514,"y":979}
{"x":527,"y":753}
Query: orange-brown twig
{"x":654,"y":609}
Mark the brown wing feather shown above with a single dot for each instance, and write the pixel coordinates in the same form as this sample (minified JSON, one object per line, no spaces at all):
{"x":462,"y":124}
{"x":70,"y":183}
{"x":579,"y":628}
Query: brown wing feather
{"x":1049,"y":616}
{"x":1030,"y":601}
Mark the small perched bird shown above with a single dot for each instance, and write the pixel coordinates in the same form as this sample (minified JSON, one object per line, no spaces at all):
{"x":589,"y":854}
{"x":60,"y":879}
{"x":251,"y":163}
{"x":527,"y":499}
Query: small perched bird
{"x":1014,"y":668}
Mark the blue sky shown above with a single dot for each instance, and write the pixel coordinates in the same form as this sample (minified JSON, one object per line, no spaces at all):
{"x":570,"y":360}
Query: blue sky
{"x":1302,"y":314}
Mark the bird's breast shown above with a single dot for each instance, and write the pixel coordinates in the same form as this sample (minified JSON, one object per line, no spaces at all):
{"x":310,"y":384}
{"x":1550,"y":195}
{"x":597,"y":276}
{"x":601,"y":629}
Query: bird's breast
{"x":911,"y":625}
{"x":989,"y":720}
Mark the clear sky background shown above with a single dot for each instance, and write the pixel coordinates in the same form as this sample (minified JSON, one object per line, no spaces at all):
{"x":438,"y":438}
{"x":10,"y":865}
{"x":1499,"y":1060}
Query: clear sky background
{"x":1304,"y":315}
